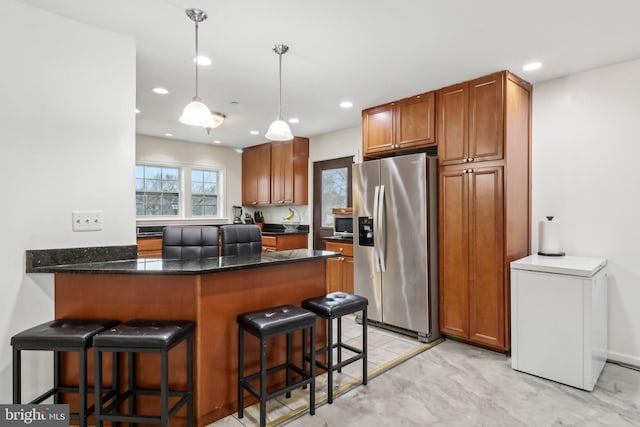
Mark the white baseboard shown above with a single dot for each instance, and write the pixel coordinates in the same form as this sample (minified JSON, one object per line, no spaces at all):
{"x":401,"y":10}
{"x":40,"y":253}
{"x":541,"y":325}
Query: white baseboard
{"x":627,"y":359}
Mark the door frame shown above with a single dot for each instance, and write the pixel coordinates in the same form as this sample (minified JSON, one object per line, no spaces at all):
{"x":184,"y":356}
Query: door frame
{"x":319,"y":232}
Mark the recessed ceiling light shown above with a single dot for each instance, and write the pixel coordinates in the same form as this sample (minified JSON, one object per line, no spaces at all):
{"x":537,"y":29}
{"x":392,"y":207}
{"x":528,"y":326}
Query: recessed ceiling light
{"x":202,"y":60}
{"x":346,"y":104}
{"x":160,"y":90}
{"x":137,"y":111}
{"x":254,"y":132}
{"x":216,"y":141}
{"x":168,"y":134}
{"x":532,"y":66}
{"x":294,"y":120}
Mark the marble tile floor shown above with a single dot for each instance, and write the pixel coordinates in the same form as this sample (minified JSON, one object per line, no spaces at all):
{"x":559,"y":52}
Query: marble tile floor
{"x":454,"y":384}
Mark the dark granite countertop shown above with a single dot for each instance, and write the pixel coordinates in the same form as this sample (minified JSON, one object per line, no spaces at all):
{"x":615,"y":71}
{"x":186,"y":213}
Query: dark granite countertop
{"x":347,"y":239}
{"x":283,"y":232}
{"x":201,"y":266}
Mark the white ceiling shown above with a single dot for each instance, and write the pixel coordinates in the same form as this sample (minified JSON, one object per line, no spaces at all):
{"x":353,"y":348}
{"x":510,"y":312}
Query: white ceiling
{"x":366,"y":51}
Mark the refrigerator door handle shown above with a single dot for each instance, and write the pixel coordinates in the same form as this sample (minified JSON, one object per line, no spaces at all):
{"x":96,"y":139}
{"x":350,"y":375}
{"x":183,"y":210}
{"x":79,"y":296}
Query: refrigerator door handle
{"x":376,"y":255}
{"x":382,"y":239}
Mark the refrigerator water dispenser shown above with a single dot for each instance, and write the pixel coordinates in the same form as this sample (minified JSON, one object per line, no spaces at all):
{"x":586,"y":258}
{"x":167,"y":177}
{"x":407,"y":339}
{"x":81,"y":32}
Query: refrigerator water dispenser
{"x":365,"y":231}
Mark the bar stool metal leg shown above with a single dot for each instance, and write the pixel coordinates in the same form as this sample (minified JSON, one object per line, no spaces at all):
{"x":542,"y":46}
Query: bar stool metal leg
{"x":240,"y":372}
{"x":190,"y":380}
{"x":97,"y":362}
{"x":329,"y":359}
{"x":339,"y":342}
{"x":263,"y":382}
{"x":82,"y":391}
{"x":131,"y":380}
{"x":17,"y":376}
{"x":164,"y":387}
{"x":56,"y":375}
{"x":312,"y":386}
{"x":288,"y":394}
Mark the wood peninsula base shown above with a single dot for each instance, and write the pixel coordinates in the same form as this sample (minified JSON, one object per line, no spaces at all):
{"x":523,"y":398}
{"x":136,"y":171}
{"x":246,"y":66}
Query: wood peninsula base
{"x":212,"y":300}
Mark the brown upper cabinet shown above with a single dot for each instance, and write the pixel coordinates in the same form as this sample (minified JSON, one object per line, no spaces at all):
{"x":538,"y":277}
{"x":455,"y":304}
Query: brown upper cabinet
{"x":276,"y":173}
{"x":289,"y":171}
{"x":401,"y":125}
{"x":471,"y":120}
{"x":256,"y":175}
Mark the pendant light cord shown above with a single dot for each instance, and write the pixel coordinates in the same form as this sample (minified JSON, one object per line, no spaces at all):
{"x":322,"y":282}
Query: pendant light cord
{"x":280,"y":97}
{"x":196,"y":60}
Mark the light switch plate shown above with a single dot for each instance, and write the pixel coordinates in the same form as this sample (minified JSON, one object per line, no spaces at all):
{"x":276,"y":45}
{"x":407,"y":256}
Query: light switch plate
{"x":87,"y":220}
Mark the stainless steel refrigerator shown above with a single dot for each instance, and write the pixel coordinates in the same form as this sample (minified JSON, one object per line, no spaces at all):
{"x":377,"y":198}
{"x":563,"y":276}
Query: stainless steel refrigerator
{"x":395,"y":242}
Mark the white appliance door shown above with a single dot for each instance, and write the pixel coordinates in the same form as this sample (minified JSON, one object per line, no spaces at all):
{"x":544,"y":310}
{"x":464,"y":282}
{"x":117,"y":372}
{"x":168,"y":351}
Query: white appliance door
{"x":366,"y":180}
{"x":404,"y":241}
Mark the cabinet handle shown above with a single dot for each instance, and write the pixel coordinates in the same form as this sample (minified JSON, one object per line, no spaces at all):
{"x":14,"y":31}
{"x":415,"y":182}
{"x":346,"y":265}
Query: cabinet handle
{"x":469,"y":170}
{"x":465,"y":161}
{"x":341,"y":259}
{"x":341,"y":249}
{"x":470,"y":159}
{"x":254,"y":203}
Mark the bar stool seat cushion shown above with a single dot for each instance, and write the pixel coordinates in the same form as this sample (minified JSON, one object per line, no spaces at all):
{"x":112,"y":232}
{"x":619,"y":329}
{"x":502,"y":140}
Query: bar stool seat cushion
{"x":61,"y":333}
{"x":335,"y":304}
{"x":139,"y":333}
{"x":276,"y":320}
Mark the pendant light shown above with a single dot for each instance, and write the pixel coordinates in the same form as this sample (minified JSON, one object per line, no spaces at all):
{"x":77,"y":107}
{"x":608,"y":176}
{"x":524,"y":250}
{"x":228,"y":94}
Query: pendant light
{"x":279,"y":129}
{"x":196,"y":113}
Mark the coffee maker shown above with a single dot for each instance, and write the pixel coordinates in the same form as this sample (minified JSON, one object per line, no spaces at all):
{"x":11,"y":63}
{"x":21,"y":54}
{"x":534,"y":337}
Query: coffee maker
{"x":237,"y":214}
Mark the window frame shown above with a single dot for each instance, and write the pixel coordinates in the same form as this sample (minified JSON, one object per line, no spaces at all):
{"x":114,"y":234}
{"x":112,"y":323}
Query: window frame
{"x":185,"y":216}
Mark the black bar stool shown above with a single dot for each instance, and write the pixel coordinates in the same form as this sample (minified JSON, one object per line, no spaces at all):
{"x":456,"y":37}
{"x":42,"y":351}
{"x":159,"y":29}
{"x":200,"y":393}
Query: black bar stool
{"x":145,"y":336}
{"x":334,"y":306}
{"x":269,"y":323}
{"x":62,"y":335}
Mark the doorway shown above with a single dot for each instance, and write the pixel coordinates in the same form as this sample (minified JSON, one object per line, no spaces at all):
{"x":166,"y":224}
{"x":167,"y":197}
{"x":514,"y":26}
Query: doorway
{"x":331,"y":189}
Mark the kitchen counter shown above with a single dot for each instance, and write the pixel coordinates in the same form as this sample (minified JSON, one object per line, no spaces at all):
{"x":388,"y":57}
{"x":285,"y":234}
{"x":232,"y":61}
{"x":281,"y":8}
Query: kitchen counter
{"x":200,"y":266}
{"x":337,"y":238}
{"x":210,"y":292}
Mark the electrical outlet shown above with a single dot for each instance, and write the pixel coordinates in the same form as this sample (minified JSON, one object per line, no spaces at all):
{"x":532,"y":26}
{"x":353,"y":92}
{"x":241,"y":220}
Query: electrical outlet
{"x":87,"y":220}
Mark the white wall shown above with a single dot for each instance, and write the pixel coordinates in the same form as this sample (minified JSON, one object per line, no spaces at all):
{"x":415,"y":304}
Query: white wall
{"x":65,"y":143}
{"x":586,"y":146}
{"x":342,"y":143}
{"x":169,"y":152}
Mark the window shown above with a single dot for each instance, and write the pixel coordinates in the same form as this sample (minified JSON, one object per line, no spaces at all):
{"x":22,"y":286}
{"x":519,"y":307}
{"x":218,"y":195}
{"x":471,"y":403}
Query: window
{"x":181,"y":192}
{"x":204,"y":192}
{"x":157,"y":191}
{"x":334,"y":193}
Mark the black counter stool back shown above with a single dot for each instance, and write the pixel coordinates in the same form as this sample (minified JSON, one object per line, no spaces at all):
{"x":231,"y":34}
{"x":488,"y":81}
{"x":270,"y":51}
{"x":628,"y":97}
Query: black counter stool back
{"x":334,"y":306}
{"x":190,"y":242}
{"x":145,"y":336}
{"x":269,"y":323}
{"x":241,"y":240}
{"x":60,"y":336}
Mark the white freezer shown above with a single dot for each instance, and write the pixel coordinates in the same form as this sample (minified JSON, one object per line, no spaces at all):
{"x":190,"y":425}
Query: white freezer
{"x":559,"y":318}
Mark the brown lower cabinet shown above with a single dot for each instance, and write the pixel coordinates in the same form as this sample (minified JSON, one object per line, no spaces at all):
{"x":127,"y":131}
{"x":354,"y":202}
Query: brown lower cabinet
{"x":472,"y":291}
{"x":283,"y":242}
{"x":340,"y":269}
{"x":149,"y":247}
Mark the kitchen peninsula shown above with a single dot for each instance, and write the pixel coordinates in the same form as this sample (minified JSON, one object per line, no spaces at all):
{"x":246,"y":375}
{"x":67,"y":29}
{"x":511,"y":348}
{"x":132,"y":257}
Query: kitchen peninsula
{"x":211,"y":292}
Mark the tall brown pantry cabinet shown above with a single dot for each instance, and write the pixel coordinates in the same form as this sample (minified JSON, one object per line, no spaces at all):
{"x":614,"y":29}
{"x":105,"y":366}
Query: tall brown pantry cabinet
{"x":483,"y":133}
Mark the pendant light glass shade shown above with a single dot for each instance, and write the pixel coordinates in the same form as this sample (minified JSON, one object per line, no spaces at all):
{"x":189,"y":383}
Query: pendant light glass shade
{"x":279,"y":129}
{"x":197,"y":114}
